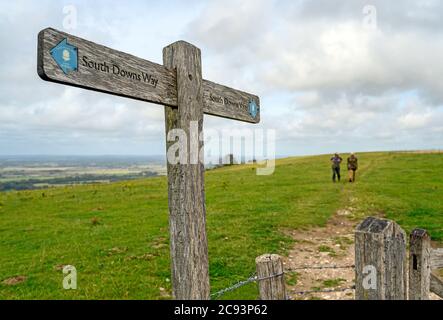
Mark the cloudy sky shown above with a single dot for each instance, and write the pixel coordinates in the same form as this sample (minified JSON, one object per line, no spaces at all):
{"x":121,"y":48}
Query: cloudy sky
{"x":331,"y":75}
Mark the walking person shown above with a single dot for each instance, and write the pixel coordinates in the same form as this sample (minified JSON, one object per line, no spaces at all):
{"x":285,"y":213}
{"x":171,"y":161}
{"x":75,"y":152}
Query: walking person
{"x":335,"y":161}
{"x":352,"y":166}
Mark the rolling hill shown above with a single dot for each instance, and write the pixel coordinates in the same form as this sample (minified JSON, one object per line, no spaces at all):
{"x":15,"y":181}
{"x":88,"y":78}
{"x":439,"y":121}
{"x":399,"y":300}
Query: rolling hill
{"x":116,"y":235}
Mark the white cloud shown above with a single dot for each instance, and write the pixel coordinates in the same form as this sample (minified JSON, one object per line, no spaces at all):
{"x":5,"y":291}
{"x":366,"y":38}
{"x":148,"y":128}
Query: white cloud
{"x":348,"y":83}
{"x":415,"y":120}
{"x":325,"y":82}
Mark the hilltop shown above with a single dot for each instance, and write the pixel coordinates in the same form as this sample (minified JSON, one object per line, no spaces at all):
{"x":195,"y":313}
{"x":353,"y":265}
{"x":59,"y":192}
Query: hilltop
{"x":116,"y":234}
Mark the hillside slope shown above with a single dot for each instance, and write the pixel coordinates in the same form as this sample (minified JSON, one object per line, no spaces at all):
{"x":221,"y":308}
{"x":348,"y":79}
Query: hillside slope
{"x":116,"y":235}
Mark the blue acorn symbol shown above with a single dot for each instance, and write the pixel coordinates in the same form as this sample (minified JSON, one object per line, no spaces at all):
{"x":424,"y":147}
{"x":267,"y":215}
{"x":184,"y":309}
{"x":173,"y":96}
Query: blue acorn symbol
{"x":253,"y":108}
{"x":65,"y":55}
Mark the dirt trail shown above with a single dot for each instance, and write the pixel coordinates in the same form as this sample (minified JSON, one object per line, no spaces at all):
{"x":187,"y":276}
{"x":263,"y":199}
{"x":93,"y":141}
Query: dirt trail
{"x":330,"y":245}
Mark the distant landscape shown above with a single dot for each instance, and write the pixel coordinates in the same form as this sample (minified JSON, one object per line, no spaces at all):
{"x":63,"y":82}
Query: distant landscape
{"x":37,"y":172}
{"x":30,"y":172}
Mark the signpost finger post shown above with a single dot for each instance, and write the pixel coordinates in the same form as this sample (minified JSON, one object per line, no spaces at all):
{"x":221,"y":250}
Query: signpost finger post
{"x":179,"y":86}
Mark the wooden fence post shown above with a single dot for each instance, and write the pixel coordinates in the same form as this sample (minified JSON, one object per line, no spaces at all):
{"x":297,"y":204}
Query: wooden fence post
{"x":270,"y":269}
{"x":436,"y":285}
{"x":436,"y":258}
{"x":419,"y":265}
{"x":380,"y":261}
{"x":436,"y":262}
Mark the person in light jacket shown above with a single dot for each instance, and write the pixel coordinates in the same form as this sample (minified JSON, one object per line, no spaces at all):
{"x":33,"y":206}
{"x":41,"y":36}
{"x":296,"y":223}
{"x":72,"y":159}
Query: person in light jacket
{"x":352,"y":167}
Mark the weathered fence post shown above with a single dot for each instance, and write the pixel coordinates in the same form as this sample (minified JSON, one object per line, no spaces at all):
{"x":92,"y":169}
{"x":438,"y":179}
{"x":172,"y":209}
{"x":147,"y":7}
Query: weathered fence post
{"x":419,"y":265}
{"x":436,"y":285}
{"x":270,"y":269}
{"x":380,"y":260}
{"x":436,"y":258}
{"x":436,"y":262}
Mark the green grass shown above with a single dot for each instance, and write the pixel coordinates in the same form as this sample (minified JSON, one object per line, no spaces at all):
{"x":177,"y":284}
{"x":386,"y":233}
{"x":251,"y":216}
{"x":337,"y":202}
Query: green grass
{"x":116,"y":235}
{"x":328,"y":250}
{"x":333,"y":283}
{"x":291,"y":278}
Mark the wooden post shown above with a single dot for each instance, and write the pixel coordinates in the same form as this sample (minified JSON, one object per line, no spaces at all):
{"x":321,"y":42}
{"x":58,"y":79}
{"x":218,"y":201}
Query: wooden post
{"x":437,"y":258}
{"x":187,"y":212}
{"x":380,"y":256}
{"x":436,"y":262}
{"x":419,"y":265}
{"x":436,"y":285}
{"x":270,"y":268}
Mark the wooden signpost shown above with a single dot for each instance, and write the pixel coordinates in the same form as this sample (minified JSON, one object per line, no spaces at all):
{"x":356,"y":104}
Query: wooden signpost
{"x":178,"y":85}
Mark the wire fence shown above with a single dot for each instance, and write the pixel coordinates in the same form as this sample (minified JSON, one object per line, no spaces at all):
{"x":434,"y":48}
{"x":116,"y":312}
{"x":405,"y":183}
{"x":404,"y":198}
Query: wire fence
{"x":240,"y":284}
{"x":324,"y":291}
{"x":254,"y":278}
{"x":351,"y":266}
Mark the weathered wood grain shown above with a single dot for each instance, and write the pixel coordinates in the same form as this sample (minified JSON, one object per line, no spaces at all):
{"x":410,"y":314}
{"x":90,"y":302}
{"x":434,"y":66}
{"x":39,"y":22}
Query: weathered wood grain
{"x":163,"y":92}
{"x":270,"y":269}
{"x":187,"y":211}
{"x":229,"y":103}
{"x":436,"y":285}
{"x":419,"y":265}
{"x":218,"y":100}
{"x":380,"y":244}
{"x":437,"y":258}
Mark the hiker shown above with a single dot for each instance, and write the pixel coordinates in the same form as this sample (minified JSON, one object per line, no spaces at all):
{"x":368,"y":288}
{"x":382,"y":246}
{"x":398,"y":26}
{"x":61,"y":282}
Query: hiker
{"x":335,"y":161}
{"x":352,"y":166}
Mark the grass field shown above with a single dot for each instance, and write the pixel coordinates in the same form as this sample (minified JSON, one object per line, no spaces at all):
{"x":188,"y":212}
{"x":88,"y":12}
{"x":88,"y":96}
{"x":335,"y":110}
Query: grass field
{"x":116,"y":235}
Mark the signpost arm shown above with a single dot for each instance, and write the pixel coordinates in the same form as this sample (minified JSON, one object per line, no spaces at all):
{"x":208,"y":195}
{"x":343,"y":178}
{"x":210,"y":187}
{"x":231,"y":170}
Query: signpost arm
{"x":187,"y":212}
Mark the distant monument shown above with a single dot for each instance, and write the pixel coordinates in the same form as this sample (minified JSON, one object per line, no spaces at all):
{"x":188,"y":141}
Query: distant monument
{"x":228,"y":160}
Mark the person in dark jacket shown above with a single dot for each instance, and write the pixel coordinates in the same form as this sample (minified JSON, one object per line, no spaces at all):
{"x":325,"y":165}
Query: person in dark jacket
{"x":335,"y":162}
{"x":352,"y":167}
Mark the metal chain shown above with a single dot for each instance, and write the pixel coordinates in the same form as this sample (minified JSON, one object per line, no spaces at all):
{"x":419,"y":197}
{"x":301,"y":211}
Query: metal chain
{"x":235,"y":286}
{"x":253,"y":278}
{"x":239,"y":284}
